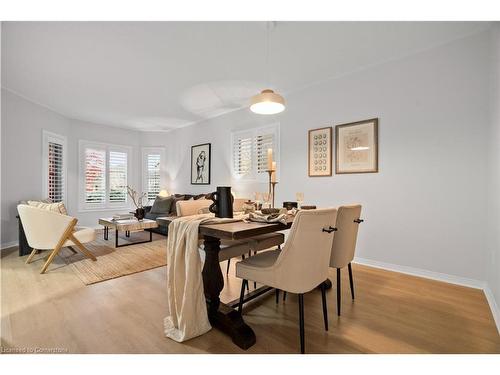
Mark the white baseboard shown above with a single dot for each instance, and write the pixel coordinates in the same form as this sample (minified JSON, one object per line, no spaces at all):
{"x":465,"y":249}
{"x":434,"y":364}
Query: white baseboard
{"x":452,"y":279}
{"x":471,"y":283}
{"x":493,"y":306}
{"x":8,"y":244}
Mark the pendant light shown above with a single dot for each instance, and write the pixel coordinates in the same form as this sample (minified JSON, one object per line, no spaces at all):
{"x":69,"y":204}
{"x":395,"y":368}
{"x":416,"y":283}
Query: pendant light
{"x":267,"y":102}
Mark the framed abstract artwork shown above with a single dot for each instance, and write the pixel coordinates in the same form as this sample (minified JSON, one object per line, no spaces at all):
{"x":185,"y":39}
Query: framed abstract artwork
{"x":356,"y":146}
{"x":200,"y":164}
{"x":320,"y":152}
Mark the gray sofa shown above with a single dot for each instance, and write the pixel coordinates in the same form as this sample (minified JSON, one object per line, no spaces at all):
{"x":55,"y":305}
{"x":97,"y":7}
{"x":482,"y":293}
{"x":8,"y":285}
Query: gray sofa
{"x":171,"y":211}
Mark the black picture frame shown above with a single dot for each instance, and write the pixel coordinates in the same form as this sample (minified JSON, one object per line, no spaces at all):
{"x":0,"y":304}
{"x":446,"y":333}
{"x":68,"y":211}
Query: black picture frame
{"x":202,"y":178}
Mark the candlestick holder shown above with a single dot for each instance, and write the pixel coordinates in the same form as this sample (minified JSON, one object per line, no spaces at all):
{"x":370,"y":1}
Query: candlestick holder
{"x":273,"y":184}
{"x":270,"y":173}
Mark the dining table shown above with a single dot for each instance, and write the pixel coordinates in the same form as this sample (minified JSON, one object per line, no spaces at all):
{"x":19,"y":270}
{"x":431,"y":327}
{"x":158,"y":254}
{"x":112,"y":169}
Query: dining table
{"x":224,"y":316}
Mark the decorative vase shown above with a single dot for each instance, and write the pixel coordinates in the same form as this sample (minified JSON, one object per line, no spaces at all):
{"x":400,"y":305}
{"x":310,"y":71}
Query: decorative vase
{"x":139,"y":213}
{"x":223,"y":202}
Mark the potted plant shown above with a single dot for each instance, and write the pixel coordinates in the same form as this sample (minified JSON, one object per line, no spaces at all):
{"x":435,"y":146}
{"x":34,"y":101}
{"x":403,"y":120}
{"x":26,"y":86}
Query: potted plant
{"x":137,"y":200}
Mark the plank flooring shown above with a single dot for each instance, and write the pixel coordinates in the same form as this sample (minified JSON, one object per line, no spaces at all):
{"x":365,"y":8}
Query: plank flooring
{"x":392,"y":313}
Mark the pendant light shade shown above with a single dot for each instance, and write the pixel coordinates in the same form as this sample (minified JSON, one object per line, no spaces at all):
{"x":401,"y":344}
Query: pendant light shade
{"x":267,"y":103}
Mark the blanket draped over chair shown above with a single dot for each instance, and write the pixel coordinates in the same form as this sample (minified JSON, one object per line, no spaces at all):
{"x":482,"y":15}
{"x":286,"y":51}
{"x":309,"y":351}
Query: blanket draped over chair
{"x":187,"y":310}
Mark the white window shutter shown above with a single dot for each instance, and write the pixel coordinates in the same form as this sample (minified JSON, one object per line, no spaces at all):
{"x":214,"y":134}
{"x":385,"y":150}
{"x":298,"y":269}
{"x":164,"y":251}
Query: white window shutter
{"x":117,"y":177}
{"x":95,"y":176}
{"x":153,"y":175}
{"x":263,"y":142}
{"x":250,"y":152}
{"x":242,"y":155}
{"x":55,"y":171}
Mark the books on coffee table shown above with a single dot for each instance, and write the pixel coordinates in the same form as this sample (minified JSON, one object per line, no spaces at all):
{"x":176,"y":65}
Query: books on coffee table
{"x":123,"y":216}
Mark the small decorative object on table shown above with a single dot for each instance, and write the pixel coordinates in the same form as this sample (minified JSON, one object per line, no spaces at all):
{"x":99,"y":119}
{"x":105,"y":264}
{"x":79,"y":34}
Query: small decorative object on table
{"x":223,"y":202}
{"x":290,"y":205}
{"x":248,"y":206}
{"x":300,"y":199}
{"x":266,"y":200}
{"x":137,"y":199}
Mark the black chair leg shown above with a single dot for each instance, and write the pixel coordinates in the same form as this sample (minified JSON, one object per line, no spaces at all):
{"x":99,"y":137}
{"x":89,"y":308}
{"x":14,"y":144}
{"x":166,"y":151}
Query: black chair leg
{"x":325,"y":311}
{"x":351,"y":281}
{"x":243,"y":258}
{"x":228,"y":264}
{"x":338,"y":291}
{"x":277,"y":295}
{"x":284,"y":296}
{"x":301,"y":323}
{"x":242,"y":294}
{"x":255,"y":285}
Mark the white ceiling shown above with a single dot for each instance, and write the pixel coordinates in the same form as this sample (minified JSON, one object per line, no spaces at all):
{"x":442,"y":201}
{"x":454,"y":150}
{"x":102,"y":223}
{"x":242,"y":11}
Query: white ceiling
{"x":161,"y":75}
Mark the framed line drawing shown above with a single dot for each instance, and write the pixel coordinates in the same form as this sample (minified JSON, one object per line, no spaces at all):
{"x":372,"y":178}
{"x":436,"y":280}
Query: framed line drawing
{"x":200,"y":164}
{"x":356,"y":146}
{"x":320,"y":152}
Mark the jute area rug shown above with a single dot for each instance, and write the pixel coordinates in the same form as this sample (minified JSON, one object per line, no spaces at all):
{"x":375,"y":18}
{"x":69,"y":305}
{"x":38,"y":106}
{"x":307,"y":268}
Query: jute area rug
{"x":117,"y":262}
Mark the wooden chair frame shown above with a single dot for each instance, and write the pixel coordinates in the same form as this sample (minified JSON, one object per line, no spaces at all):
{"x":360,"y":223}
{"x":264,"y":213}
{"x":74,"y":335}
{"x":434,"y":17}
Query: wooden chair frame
{"x":67,"y":235}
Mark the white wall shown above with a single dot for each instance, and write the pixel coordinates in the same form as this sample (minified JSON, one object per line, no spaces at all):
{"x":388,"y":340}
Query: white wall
{"x":22,"y":125}
{"x":422,"y":209}
{"x":494,"y":174}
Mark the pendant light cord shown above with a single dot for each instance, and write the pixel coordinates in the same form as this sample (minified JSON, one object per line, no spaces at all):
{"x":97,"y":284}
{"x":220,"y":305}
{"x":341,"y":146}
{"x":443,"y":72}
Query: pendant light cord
{"x":267,"y":54}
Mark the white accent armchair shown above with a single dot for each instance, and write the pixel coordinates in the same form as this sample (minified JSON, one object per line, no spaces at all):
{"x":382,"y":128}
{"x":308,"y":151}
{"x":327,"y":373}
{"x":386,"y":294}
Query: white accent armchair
{"x":48,"y":230}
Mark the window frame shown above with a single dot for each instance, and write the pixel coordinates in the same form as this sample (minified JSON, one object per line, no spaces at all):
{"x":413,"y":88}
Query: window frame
{"x":254,"y":176}
{"x":107,"y":147}
{"x":48,"y":137}
{"x":145,"y":151}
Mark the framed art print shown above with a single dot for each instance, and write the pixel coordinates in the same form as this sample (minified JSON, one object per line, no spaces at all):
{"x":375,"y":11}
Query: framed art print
{"x":320,"y":152}
{"x":356,"y":146}
{"x":200,"y":164}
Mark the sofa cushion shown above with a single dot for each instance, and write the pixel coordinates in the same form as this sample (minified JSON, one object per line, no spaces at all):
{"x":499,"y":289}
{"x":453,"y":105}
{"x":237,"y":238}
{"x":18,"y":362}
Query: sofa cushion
{"x":162,"y":205}
{"x":173,"y":208}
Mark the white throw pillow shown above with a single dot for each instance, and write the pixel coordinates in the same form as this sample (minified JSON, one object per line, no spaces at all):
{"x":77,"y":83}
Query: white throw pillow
{"x":55,"y":207}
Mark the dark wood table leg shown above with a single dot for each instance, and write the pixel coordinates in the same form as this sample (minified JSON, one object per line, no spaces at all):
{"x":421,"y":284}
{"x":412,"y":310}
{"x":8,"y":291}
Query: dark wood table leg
{"x":222,"y":316}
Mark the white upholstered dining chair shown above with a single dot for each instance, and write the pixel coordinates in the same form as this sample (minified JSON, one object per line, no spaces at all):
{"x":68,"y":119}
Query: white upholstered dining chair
{"x":344,"y":244}
{"x":49,"y":230}
{"x":301,"y":266}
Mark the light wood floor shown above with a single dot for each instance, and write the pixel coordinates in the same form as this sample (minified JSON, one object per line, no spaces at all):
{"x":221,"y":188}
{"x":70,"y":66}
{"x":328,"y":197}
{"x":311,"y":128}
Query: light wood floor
{"x":393,"y":313}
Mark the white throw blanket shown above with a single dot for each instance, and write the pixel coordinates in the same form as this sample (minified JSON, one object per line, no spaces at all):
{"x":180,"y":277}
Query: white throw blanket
{"x":187,"y":316}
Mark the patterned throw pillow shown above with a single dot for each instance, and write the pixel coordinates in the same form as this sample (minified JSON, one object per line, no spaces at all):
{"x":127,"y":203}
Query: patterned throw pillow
{"x":55,"y":207}
{"x":204,"y":210}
